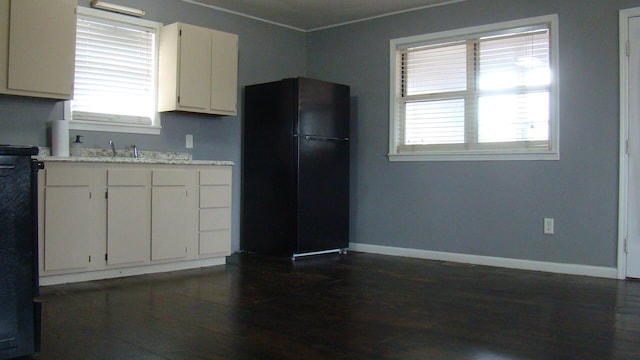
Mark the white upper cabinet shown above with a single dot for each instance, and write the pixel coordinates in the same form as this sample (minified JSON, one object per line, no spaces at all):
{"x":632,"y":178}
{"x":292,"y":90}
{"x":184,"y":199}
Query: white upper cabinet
{"x":198,"y":70}
{"x":224,"y":75}
{"x":37,"y":47}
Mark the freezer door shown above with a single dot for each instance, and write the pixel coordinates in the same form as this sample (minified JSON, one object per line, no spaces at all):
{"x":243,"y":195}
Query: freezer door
{"x":323,"y":109}
{"x":322,"y":194}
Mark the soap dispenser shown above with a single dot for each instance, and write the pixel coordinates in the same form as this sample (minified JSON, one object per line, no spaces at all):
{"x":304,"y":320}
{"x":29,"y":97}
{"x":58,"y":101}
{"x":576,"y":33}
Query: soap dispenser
{"x":76,"y":146}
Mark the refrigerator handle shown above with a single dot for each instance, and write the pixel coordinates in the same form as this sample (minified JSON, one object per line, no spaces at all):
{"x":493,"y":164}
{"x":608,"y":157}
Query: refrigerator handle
{"x":321,"y":138}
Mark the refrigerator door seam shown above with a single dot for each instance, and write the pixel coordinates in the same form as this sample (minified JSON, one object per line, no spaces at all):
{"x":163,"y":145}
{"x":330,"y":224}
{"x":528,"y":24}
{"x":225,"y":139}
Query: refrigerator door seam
{"x":324,"y":138}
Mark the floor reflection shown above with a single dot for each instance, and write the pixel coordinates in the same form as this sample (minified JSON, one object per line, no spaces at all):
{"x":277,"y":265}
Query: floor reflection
{"x":355,"y":306}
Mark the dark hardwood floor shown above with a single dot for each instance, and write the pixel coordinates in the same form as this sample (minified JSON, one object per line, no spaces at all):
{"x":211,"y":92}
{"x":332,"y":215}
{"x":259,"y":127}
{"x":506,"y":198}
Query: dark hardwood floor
{"x":358,"y":306}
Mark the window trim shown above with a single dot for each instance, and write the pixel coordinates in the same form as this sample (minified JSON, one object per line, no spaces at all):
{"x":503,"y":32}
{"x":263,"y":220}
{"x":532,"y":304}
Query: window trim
{"x":155,"y":127}
{"x":463,"y":34}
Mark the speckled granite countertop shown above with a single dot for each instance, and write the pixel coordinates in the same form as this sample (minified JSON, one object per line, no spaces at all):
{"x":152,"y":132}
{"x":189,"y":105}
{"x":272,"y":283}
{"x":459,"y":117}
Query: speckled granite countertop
{"x":126,"y":157}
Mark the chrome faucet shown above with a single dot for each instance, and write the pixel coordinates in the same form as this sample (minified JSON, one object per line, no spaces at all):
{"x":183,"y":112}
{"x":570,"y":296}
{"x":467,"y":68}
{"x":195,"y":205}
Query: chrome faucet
{"x":113,"y":148}
{"x":135,"y":151}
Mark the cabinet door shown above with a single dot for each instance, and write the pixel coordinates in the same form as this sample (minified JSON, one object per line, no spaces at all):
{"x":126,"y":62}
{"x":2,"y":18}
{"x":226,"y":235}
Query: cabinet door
{"x":41,"y":51}
{"x":195,"y":67}
{"x":67,"y":222}
{"x":224,"y":72}
{"x":168,"y":214}
{"x":128,"y":224}
{"x":168,"y":222}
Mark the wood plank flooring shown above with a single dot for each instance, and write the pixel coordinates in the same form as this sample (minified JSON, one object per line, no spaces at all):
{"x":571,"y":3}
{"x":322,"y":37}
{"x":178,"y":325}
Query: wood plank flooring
{"x":354,"y":306}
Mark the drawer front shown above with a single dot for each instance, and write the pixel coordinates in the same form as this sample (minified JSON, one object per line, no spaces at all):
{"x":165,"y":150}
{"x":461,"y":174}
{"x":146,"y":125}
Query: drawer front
{"x":215,"y":219}
{"x":68,"y":176}
{"x":215,"y":196}
{"x":212,"y":242}
{"x":130,"y":177}
{"x":219,"y":175}
{"x":169,"y":178}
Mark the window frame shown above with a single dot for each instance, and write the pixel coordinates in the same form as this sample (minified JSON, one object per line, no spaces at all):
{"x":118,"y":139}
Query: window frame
{"x":464,"y":34}
{"x":155,"y":127}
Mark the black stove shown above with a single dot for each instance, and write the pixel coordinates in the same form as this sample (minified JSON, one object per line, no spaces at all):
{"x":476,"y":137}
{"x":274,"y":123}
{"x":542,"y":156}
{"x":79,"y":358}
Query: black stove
{"x":18,"y":150}
{"x":20,"y":312}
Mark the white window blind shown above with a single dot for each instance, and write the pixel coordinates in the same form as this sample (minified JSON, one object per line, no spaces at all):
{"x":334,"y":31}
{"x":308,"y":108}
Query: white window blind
{"x":434,"y":80}
{"x":514,"y":85}
{"x":487,"y":93}
{"x":115,"y":74}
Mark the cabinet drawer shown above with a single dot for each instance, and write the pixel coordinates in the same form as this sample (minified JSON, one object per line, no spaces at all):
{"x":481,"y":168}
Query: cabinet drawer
{"x":128,"y":177}
{"x":215,"y":196}
{"x":215,"y":219}
{"x":217,"y":176}
{"x":211,"y":242}
{"x":67,"y":176}
{"x":169,"y":178}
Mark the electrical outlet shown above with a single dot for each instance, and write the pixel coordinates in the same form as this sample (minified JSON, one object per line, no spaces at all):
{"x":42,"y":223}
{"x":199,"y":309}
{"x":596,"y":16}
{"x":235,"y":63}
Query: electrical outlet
{"x":548,"y":226}
{"x":189,"y":141}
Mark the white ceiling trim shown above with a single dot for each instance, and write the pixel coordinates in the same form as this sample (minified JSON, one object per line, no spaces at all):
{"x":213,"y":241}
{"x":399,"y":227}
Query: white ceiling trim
{"x":196,"y":2}
{"x":387,"y":14}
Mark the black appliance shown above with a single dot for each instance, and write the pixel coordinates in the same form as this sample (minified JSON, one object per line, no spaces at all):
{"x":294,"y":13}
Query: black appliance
{"x":19,"y":286}
{"x":295,"y":168}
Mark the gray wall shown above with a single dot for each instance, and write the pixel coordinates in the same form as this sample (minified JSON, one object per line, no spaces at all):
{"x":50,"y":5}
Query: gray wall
{"x":266,"y":53}
{"x":492,"y":208}
{"x":481,"y":208}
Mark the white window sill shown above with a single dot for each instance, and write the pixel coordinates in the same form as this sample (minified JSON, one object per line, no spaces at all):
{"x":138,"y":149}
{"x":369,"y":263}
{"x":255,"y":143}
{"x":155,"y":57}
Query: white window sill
{"x":475,"y":156}
{"x":119,"y":128}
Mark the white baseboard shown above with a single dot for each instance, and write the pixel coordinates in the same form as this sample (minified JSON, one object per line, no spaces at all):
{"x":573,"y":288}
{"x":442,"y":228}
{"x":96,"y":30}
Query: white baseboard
{"x":139,"y":270}
{"x":559,"y":268}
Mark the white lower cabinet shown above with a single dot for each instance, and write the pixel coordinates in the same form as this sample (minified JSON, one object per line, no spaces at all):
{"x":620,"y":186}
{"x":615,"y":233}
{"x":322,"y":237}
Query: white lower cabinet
{"x":94,"y":217}
{"x":65,"y":220}
{"x":169,"y":215}
{"x":128,"y":216}
{"x":215,"y":211}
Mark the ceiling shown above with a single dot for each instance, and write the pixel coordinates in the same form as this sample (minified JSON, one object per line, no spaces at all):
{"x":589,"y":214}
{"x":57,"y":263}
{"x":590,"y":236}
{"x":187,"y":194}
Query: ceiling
{"x":308,"y":15}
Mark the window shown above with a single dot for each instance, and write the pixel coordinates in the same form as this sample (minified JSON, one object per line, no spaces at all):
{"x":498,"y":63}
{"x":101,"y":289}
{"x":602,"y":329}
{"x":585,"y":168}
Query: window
{"x":115,"y":74}
{"x":483,"y":93}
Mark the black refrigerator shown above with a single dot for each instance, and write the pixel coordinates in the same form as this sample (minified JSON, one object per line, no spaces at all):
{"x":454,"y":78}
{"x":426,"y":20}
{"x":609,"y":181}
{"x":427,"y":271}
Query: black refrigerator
{"x":19,"y":286}
{"x":295,"y":168}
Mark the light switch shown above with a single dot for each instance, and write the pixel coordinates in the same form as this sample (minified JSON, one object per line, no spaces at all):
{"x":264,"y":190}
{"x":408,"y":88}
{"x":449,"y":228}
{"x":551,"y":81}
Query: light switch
{"x":189,"y":141}
{"x":548,"y":226}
